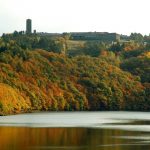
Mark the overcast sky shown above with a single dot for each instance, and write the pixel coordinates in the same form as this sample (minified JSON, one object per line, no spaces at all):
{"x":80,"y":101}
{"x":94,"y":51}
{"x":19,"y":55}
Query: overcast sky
{"x":121,"y":16}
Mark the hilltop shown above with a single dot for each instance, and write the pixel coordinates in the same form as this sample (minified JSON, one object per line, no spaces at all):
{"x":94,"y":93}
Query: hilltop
{"x":38,"y":74}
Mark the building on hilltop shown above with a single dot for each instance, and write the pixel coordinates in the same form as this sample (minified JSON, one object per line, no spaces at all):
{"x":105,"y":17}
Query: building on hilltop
{"x":49,"y":34}
{"x":103,"y":36}
{"x":28,"y":26}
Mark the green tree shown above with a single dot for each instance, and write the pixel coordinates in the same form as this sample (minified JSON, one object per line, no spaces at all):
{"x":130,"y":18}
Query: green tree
{"x":137,"y":37}
{"x":93,"y":48}
{"x":117,"y":47}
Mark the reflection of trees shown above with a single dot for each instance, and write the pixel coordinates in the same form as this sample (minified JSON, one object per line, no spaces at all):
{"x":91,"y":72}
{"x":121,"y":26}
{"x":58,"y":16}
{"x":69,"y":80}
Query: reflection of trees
{"x":87,"y":139}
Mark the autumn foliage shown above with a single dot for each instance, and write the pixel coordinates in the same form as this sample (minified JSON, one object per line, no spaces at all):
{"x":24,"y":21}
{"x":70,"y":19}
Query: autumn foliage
{"x":11,"y":100}
{"x":116,"y":78}
{"x":41,"y":80}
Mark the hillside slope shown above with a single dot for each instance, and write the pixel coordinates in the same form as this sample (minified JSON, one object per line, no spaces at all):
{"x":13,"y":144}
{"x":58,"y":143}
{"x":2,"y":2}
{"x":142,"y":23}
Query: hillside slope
{"x":41,"y":80}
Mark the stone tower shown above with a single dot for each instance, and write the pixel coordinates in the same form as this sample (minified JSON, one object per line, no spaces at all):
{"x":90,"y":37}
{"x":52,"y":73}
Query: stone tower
{"x":28,"y":26}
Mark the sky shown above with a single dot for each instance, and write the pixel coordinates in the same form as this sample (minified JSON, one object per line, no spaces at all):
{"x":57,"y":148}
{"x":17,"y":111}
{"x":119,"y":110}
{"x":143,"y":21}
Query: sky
{"x":120,"y":16}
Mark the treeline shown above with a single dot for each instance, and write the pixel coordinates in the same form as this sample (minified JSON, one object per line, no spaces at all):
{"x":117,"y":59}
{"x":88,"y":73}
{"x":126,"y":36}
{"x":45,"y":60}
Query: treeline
{"x":99,"y":76}
{"x":31,"y":42}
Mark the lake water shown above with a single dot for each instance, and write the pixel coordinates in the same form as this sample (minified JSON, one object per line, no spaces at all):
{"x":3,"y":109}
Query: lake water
{"x":76,"y":131}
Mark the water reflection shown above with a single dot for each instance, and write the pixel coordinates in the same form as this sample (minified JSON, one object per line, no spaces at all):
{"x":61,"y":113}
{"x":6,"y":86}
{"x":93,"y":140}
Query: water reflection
{"x":14,"y":138}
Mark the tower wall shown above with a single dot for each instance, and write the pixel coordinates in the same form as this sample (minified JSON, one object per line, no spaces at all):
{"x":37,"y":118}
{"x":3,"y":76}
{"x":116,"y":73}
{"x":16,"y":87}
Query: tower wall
{"x":28,"y":26}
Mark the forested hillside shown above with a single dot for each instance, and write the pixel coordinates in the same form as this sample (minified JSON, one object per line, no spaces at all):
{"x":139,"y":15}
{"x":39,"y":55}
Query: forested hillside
{"x":36,"y":74}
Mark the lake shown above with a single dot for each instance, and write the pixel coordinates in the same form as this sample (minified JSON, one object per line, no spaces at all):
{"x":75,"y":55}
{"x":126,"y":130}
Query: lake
{"x":76,"y":131}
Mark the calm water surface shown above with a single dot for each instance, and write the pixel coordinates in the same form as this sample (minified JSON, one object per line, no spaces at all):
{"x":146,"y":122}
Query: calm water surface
{"x":76,"y":131}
